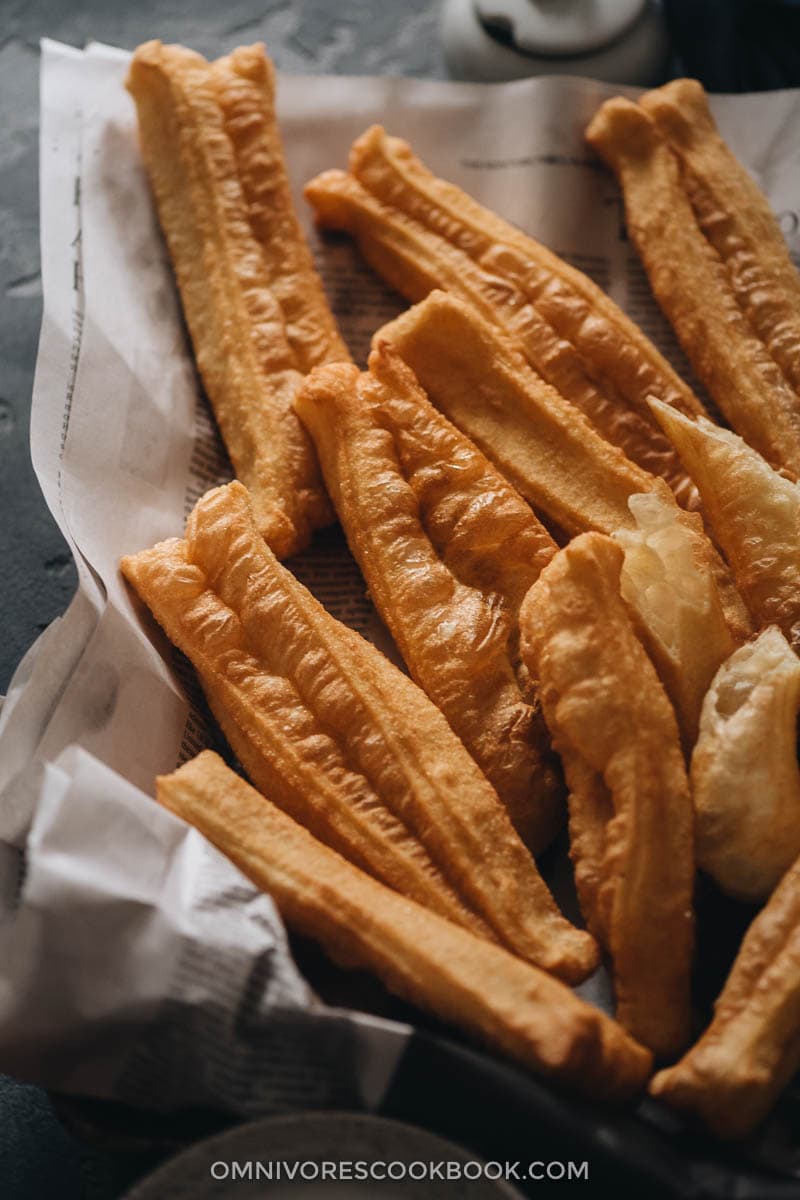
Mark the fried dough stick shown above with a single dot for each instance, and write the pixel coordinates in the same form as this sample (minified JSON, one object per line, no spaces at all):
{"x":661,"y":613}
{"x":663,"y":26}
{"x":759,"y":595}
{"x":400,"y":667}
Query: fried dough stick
{"x":245,"y":90}
{"x":282,"y":743}
{"x":745,"y":778}
{"x":415,"y":260}
{"x":336,"y":733}
{"x":735,"y":216}
{"x":615,"y":353}
{"x":544,"y":447}
{"x":605,"y":705}
{"x":512,"y":1007}
{"x":732,"y":1077}
{"x":246,"y":362}
{"x":691,"y":284}
{"x":754,"y":513}
{"x":681,"y":615}
{"x":448,"y":550}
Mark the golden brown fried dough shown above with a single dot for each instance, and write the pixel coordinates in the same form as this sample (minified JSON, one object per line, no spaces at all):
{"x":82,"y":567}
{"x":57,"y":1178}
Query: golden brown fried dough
{"x":744,"y":775}
{"x":751,"y":1049}
{"x":540,"y":442}
{"x":507,"y":1004}
{"x":680,"y":612}
{"x":448,"y":550}
{"x":339,"y":736}
{"x":691,"y":283}
{"x":606,"y":347}
{"x":591,"y":807}
{"x":735,"y":216}
{"x":245,"y":89}
{"x":416,"y":260}
{"x":605,"y":705}
{"x":246,"y":362}
{"x":280,"y":739}
{"x":754,"y":513}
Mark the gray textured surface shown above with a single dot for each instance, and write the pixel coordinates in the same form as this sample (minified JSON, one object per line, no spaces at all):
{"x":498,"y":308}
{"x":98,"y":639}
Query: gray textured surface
{"x":37,"y":1158}
{"x":347,"y":36}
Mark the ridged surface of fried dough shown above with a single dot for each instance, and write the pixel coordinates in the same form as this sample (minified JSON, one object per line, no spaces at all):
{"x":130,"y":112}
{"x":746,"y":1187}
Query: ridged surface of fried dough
{"x":745,"y":778}
{"x":735,"y":216}
{"x":339,"y":729}
{"x":543,"y":445}
{"x":448,"y":550}
{"x":754,"y":513}
{"x":614,"y":351}
{"x":732,"y":1077}
{"x":604,"y":703}
{"x":691,"y":283}
{"x":672,"y":589}
{"x":280,"y":739}
{"x":247,"y":365}
{"x":416,"y":260}
{"x":507,"y":1004}
{"x":245,"y":90}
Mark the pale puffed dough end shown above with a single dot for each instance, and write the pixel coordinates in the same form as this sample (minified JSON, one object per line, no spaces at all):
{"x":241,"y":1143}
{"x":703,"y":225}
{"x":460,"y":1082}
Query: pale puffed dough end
{"x":744,"y":773}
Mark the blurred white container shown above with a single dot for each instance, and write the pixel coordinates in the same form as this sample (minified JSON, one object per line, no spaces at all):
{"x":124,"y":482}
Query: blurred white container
{"x":618,"y":41}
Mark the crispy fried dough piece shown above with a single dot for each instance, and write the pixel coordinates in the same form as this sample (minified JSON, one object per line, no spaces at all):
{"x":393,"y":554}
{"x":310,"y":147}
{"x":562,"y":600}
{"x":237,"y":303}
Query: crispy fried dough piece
{"x":605,"y":705}
{"x":340,"y":730}
{"x":448,"y":550}
{"x":416,"y":260}
{"x":691,"y":284}
{"x":237,"y":329}
{"x":591,"y":808}
{"x":280,"y":739}
{"x":681,"y":615}
{"x":540,"y":442}
{"x":732,"y":1077}
{"x":543,"y":446}
{"x":614,"y":351}
{"x":516,"y":1009}
{"x":245,"y":90}
{"x":735,"y":216}
{"x":745,"y":777}
{"x":754,"y":513}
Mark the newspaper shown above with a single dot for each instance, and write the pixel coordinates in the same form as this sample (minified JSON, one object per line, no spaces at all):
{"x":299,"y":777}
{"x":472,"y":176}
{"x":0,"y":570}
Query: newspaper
{"x":135,"y":961}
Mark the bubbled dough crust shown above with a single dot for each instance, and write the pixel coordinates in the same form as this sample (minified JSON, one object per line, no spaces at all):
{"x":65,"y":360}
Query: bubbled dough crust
{"x":519,"y":1011}
{"x":604,"y":704}
{"x":448,"y":550}
{"x":340,"y":730}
